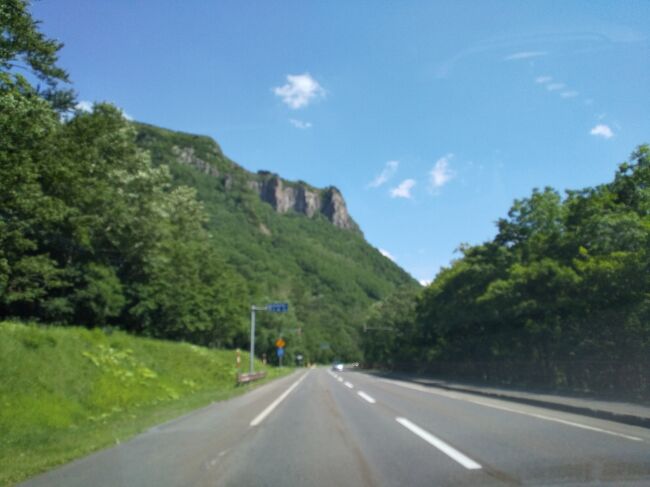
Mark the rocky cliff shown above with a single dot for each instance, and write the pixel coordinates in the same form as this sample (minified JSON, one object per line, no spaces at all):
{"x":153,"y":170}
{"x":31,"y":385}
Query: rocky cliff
{"x":204,"y":154}
{"x":286,"y":196}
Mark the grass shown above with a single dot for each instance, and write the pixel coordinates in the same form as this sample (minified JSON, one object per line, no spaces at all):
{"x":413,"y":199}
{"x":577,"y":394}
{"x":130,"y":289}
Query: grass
{"x":67,"y":391}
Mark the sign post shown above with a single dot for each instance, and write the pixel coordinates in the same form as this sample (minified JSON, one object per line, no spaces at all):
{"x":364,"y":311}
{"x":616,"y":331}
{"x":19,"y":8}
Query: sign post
{"x":273,"y":308}
{"x":280,"y":343}
{"x":280,"y":353}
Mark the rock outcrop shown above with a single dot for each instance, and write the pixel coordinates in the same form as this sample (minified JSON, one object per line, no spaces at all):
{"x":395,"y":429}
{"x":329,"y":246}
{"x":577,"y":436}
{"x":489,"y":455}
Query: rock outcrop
{"x":185,"y":155}
{"x":283,"y":196}
{"x":335,"y":210}
{"x":301,"y":198}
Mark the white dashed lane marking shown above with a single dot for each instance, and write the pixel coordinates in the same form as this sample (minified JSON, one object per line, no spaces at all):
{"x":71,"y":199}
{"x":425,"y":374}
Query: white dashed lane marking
{"x":366,"y":397}
{"x":448,"y":450}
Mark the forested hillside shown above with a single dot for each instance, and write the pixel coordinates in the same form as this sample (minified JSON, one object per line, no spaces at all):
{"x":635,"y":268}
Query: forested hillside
{"x":560,"y":297}
{"x":329,"y":275}
{"x":107,"y":222}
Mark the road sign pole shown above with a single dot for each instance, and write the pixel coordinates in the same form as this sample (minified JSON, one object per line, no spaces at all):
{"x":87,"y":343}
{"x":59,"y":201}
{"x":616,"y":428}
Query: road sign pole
{"x":274,"y":308}
{"x":252,"y":365}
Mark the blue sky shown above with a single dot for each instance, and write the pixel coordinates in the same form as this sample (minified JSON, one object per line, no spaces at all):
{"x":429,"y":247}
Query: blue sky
{"x":431,"y":117}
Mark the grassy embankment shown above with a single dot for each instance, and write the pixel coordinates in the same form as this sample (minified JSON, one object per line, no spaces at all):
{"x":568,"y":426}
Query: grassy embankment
{"x":65,"y":392}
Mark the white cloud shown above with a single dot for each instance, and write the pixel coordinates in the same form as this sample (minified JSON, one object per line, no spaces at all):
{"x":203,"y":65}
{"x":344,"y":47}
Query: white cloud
{"x":543,"y":79}
{"x":555,"y":86}
{"x":84,"y":106}
{"x":524,"y":55}
{"x":387,"y":254}
{"x":403,"y":190}
{"x":569,"y":94}
{"x":424,"y":282}
{"x":389,"y":170}
{"x":300,"y":90}
{"x":299,"y":124}
{"x":602,"y":130}
{"x":441,"y":174}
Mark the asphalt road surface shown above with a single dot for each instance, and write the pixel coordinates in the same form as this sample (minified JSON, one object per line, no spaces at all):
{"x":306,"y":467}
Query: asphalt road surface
{"x":323,"y":428}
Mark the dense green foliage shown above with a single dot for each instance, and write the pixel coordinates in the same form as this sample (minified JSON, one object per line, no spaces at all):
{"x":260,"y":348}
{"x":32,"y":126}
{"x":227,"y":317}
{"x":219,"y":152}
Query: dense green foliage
{"x":93,"y":232}
{"x":90,"y":231}
{"x":328,"y":275}
{"x":65,"y":392}
{"x":560,"y":297}
{"x":23,"y":47}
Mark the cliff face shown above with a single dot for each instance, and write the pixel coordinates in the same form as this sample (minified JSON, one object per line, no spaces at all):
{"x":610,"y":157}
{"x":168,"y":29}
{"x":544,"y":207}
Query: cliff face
{"x":335,"y":209}
{"x":301,"y":198}
{"x":187,"y":156}
{"x":204,"y":154}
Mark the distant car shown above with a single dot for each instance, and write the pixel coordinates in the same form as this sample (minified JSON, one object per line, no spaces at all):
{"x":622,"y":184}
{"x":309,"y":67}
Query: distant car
{"x":337,"y":367}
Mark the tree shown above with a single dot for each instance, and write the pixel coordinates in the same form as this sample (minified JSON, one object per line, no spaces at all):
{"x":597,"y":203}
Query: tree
{"x":186,"y":290}
{"x":28,"y":213}
{"x":23,"y":47}
{"x":632,"y":182}
{"x":390,"y":331}
{"x":560,"y":296}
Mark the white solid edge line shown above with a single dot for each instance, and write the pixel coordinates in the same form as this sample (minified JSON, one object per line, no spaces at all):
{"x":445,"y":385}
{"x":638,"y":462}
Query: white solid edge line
{"x":348,"y":385}
{"x":366,"y":397}
{"x":260,"y":417}
{"x":450,"y":451}
{"x":511,"y":410}
{"x":564,"y":421}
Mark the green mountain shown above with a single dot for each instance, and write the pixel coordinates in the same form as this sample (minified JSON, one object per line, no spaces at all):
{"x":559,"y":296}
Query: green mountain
{"x":289,"y":241}
{"x":115,"y":224}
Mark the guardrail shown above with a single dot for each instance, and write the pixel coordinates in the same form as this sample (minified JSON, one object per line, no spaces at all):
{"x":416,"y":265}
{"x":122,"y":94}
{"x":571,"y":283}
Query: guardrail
{"x":621,"y":379}
{"x":246,"y":378}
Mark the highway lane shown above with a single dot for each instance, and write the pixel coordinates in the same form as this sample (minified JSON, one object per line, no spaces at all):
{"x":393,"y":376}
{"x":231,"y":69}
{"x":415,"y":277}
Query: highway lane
{"x":319,"y":427}
{"x":517,"y":443}
{"x":181,"y":452}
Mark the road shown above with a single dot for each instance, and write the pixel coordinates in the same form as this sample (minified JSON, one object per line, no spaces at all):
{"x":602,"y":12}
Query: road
{"x":322,"y":428}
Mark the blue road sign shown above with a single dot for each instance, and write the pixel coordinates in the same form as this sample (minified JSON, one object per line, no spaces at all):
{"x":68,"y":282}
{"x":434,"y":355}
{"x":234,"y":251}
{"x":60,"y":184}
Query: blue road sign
{"x":277,"y":307}
{"x":280,"y":352}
